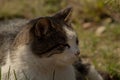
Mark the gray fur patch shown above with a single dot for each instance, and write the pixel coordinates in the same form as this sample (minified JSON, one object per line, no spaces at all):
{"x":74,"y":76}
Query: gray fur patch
{"x":8,"y":31}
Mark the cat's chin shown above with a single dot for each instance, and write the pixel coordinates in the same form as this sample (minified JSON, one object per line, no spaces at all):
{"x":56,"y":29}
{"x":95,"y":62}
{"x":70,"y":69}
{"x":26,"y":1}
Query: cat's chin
{"x":65,"y":60}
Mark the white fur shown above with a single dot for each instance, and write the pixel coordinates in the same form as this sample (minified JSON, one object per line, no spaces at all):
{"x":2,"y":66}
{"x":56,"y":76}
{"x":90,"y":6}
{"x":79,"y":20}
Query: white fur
{"x":71,"y":35}
{"x":36,"y":68}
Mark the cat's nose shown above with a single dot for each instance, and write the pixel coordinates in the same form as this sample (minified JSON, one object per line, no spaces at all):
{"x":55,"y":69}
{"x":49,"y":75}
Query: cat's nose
{"x":77,"y":53}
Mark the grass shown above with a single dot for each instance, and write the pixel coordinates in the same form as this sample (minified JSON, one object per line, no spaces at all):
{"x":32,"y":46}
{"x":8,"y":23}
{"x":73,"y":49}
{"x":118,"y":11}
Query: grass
{"x":103,"y":51}
{"x":14,"y":73}
{"x":28,"y":9}
{"x":26,"y":77}
{"x":0,"y":72}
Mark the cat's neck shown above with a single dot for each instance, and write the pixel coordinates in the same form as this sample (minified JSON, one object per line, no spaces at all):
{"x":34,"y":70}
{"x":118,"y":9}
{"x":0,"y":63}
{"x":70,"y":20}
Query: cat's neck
{"x":23,"y":59}
{"x":24,"y":56}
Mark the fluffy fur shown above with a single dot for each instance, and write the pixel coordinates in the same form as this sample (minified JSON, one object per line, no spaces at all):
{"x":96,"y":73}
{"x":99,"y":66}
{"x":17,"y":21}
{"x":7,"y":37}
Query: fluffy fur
{"x":36,"y":68}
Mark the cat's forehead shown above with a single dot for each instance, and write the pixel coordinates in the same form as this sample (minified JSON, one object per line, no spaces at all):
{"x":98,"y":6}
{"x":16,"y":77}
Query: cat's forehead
{"x":65,"y":30}
{"x":70,"y":33}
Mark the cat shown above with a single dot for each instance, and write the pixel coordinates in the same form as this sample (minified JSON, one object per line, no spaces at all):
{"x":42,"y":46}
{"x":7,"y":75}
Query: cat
{"x":43,"y":48}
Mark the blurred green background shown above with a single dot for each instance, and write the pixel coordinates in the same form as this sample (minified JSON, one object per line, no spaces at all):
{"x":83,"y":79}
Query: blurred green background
{"x":97,"y":23}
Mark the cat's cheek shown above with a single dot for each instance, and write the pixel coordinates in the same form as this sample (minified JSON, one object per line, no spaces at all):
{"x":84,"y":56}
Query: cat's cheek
{"x":64,"y":59}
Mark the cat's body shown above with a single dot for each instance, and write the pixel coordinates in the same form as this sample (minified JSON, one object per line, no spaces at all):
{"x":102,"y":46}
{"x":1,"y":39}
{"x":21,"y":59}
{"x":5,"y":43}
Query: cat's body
{"x":40,"y":49}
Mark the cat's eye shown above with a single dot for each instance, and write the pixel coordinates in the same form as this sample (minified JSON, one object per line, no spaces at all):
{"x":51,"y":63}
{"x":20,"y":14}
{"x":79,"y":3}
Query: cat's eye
{"x":77,"y":41}
{"x":67,"y":45}
{"x":61,"y":47}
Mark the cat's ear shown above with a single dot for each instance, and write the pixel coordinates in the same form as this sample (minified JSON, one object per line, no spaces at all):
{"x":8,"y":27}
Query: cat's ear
{"x":64,"y":15}
{"x":41,"y":27}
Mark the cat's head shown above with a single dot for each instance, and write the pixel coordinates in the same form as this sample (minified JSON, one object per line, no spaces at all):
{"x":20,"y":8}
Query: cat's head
{"x":52,"y":38}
